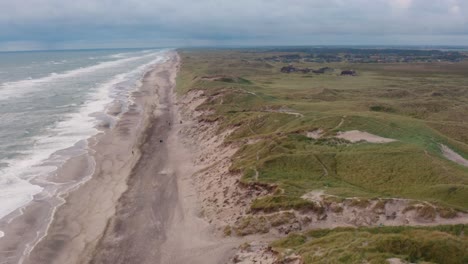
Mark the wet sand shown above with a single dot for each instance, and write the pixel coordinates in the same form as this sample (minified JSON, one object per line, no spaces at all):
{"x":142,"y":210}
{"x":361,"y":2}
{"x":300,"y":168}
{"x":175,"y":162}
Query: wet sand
{"x":139,"y":206}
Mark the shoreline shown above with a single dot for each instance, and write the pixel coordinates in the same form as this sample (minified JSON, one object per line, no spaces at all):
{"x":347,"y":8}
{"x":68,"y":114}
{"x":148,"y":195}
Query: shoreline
{"x":141,"y":205}
{"x":33,"y":173}
{"x":47,"y":210}
{"x":116,"y":153}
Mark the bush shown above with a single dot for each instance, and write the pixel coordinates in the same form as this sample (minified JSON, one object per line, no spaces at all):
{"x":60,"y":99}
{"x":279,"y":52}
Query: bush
{"x":283,"y":202}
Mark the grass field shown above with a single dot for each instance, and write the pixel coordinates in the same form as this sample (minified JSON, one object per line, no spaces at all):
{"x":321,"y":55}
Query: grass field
{"x":421,"y":106}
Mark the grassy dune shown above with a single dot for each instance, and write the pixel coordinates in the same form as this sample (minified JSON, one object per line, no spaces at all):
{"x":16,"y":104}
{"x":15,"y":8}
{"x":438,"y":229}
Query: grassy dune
{"x":421,"y":106}
{"x":442,"y":244}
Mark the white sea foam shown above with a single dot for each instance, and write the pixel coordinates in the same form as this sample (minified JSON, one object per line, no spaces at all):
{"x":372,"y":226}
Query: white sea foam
{"x":22,"y":87}
{"x":118,"y":55}
{"x":130,"y":54}
{"x":15,"y":194}
{"x":65,"y":106}
{"x":57,"y":62}
{"x":43,"y":157}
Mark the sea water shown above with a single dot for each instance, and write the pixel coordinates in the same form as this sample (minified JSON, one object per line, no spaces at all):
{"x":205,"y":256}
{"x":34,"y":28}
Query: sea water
{"x":51,"y":101}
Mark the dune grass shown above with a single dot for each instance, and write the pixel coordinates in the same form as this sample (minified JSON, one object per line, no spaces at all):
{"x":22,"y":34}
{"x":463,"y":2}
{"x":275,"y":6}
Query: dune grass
{"x":441,"y":244}
{"x":420,"y":106}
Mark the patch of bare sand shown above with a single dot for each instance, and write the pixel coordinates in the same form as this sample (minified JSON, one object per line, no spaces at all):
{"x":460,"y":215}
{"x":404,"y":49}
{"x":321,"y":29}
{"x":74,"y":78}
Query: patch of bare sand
{"x":453,"y":156}
{"x":316,"y":134}
{"x":356,"y":136}
{"x":396,"y":261}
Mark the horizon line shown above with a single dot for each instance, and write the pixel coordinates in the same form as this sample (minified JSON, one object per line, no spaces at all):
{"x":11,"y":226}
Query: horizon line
{"x":420,"y":46}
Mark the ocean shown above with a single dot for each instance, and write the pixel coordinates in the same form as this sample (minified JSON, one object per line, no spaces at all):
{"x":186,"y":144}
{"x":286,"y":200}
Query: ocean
{"x":53,"y":101}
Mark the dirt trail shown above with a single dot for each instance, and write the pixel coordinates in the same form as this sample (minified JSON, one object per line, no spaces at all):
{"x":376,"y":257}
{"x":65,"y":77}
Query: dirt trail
{"x":343,"y":118}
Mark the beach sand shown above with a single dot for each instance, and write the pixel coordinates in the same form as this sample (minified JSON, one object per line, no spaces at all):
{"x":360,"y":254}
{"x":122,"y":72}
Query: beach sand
{"x":139,"y":205}
{"x":158,"y":217}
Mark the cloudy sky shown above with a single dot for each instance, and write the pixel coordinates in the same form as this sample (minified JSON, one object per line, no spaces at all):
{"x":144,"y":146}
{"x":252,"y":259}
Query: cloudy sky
{"x":65,"y":24}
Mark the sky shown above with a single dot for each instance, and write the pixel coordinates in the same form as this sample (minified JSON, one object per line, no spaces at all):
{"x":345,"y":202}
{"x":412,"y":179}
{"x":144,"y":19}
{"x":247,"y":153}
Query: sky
{"x":75,"y":24}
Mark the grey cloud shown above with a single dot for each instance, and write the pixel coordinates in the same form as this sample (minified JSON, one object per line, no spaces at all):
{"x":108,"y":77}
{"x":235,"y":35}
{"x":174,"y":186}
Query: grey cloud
{"x":210,"y":21}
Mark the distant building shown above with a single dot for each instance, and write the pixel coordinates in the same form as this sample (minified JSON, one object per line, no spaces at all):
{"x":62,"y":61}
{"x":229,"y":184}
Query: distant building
{"x":305,"y":70}
{"x":288,"y":69}
{"x":348,"y":73}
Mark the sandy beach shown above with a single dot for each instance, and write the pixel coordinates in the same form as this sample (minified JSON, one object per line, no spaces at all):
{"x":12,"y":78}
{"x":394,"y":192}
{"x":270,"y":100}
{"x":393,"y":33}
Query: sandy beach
{"x":138,"y":206}
{"x":157,"y":219}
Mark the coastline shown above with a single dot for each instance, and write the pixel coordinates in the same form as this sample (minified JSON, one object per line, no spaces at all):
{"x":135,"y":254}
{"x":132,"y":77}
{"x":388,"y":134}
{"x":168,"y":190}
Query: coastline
{"x":79,"y":225}
{"x":81,"y":209}
{"x":140,"y":205}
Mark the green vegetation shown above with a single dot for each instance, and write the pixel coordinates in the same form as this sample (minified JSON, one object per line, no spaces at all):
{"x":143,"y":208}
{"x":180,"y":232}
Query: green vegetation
{"x":419,"y":105}
{"x":261,"y":224}
{"x":360,"y":55}
{"x":278,"y":202}
{"x":441,"y":244}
